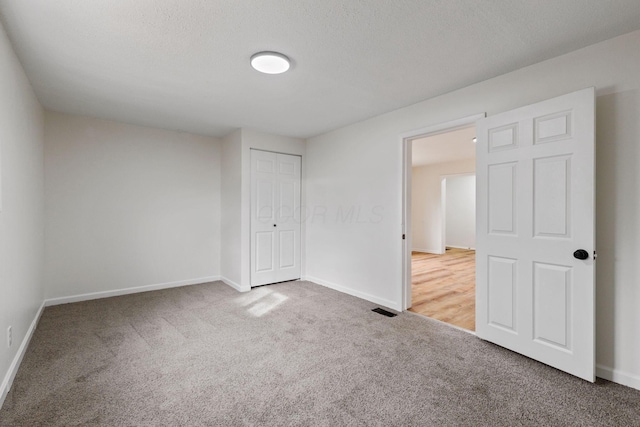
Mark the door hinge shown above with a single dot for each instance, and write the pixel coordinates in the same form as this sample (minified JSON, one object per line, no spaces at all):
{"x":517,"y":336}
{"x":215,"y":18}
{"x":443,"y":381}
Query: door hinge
{"x":403,"y":238}
{"x":595,"y":255}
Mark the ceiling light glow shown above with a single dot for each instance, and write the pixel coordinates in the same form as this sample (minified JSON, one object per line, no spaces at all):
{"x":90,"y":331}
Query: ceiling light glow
{"x":475,"y":139}
{"x":270,"y":62}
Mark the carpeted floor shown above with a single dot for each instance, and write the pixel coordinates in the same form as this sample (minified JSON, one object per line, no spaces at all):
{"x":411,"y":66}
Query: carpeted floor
{"x":287,"y":354}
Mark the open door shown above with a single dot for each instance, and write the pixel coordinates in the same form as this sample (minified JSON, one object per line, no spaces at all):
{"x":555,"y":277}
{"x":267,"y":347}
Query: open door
{"x":535,"y":231}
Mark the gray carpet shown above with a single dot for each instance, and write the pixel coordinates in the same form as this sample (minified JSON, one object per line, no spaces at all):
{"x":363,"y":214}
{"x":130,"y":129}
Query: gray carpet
{"x":287,"y":354}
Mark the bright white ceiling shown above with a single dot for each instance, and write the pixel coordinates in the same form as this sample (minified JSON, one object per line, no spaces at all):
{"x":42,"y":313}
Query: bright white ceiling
{"x":443,"y":148}
{"x":184,"y":64}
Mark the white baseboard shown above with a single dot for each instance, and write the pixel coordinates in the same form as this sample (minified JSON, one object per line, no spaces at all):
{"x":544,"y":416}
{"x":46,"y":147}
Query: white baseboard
{"x":362,"y":295}
{"x":235,"y":285}
{"x":427,"y":251}
{"x":17,"y":360}
{"x":461,"y":247}
{"x":126,"y":291}
{"x":617,"y":376}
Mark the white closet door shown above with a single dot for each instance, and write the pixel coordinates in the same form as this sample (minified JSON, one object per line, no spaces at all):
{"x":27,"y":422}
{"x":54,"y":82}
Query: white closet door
{"x":535,"y":231}
{"x":275,"y":217}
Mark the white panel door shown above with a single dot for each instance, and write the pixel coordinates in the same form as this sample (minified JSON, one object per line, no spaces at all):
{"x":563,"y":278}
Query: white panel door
{"x":535,"y":209}
{"x":275,"y":217}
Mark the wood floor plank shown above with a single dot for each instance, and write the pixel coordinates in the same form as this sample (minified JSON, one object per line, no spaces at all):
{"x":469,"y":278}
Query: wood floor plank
{"x":443,"y":287}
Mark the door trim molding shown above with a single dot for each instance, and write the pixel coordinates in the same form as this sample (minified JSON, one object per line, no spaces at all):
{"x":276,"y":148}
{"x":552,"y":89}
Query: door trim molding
{"x":404,"y":290}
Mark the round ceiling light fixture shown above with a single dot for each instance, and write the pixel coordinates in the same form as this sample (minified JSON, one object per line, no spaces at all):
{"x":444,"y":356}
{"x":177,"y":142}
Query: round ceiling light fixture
{"x":270,"y":62}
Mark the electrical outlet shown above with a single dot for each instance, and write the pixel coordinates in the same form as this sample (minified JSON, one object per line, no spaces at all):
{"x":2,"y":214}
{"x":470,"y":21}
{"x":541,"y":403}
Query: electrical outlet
{"x":9,"y":337}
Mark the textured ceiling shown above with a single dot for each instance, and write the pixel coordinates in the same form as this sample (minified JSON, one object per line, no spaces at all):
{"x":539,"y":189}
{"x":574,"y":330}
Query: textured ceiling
{"x":444,"y":147}
{"x":184,"y":64}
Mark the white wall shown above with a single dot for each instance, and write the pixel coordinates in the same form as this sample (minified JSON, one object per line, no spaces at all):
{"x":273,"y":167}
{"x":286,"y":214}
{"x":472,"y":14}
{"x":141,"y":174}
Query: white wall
{"x":128,"y":206}
{"x":231,"y":226}
{"x":361,"y":165}
{"x":21,"y":211}
{"x":426,"y":203}
{"x":460,"y":212}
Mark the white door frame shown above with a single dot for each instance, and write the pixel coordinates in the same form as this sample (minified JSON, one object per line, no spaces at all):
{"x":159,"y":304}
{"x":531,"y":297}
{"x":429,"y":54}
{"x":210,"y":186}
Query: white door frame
{"x":443,"y":205}
{"x":404,"y":291}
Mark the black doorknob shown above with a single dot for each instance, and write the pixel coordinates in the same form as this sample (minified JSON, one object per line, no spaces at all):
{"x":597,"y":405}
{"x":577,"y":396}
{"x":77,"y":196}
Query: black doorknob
{"x":274,"y":225}
{"x":581,"y":254}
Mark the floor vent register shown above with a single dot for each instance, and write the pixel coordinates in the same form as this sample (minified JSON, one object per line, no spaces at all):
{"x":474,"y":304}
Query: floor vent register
{"x":384,"y":312}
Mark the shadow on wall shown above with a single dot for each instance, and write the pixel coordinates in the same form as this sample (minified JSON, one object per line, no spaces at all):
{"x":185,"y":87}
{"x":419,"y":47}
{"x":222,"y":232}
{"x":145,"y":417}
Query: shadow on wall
{"x":617,"y":183}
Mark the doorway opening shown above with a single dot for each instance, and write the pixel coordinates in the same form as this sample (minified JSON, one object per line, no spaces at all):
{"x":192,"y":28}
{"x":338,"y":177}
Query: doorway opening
{"x":535,"y":212}
{"x":442,"y":225}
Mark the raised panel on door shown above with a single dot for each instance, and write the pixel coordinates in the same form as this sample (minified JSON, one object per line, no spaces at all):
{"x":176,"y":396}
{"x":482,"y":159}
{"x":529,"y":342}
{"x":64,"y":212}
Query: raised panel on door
{"x":264,"y":208}
{"x":552,"y":196}
{"x":266,"y":163}
{"x":535,"y":199}
{"x":501,"y":184}
{"x":287,"y":258}
{"x":287,"y":201}
{"x":289,"y":166}
{"x":502,"y":293}
{"x":552,"y":127}
{"x":552,"y":303}
{"x":503,"y":137}
{"x":264,"y":252}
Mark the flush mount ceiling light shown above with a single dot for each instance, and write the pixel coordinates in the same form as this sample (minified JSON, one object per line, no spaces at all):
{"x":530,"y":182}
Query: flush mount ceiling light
{"x":475,"y":139}
{"x":270,"y":62}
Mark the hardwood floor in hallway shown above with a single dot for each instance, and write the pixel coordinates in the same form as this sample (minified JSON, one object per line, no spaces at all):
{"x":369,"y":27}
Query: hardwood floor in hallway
{"x":443,"y":286}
